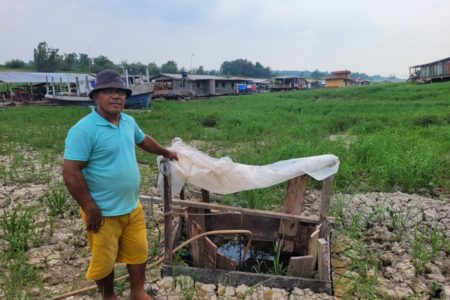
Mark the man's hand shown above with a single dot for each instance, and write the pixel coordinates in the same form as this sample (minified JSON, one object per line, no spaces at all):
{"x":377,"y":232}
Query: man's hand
{"x":93,"y":218}
{"x":171,"y":155}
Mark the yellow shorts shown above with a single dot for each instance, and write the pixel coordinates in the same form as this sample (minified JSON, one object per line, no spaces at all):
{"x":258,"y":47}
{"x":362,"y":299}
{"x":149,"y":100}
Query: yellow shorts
{"x":120,"y":239}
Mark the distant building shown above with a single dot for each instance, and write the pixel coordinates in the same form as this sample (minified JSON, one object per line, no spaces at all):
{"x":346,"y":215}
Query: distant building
{"x":431,"y":72}
{"x":190,"y":86}
{"x":339,"y":79}
{"x":289,"y":83}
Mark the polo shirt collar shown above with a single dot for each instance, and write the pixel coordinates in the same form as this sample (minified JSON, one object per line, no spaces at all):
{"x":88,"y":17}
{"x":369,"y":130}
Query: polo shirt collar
{"x":100,"y":121}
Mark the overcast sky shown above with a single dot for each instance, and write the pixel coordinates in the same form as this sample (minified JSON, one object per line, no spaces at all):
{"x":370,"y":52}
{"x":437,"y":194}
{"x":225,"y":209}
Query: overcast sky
{"x":372,"y":36}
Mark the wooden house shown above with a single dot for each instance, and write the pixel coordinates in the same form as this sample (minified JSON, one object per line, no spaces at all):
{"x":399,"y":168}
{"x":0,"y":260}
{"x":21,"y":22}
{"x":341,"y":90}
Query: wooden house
{"x":432,"y":72}
{"x":288,"y":83}
{"x":339,"y":79}
{"x":173,"y":86}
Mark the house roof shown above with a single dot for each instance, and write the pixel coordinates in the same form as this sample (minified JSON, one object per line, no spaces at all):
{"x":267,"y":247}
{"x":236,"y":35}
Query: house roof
{"x":341,"y":72}
{"x":195,"y":77}
{"x":431,"y":63}
{"x":41,"y":77}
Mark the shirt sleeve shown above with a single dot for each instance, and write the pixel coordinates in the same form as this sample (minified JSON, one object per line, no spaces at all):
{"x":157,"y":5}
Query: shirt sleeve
{"x":78,"y":145}
{"x":139,"y":135}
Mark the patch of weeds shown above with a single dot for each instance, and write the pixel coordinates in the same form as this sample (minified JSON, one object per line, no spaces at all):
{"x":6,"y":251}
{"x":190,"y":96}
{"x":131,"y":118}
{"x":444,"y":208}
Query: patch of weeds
{"x":363,"y":281}
{"x":16,"y":227}
{"x":56,"y":201}
{"x":420,"y":254}
{"x":356,"y":225}
{"x":377,"y":215}
{"x":186,"y":287}
{"x":436,"y":291}
{"x":397,"y":223}
{"x":209,"y":121}
{"x":337,"y":211}
{"x":278,"y":268}
{"x":437,"y":238}
{"x":18,"y":279}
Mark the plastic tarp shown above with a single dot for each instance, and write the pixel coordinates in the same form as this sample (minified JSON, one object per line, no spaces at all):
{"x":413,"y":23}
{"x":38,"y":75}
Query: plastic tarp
{"x":223,"y":176}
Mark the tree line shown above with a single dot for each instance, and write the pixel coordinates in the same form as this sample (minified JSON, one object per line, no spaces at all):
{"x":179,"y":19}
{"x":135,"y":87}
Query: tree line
{"x":48,"y":59}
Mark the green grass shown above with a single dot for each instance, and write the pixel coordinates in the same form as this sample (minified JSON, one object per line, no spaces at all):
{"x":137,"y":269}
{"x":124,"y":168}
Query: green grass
{"x":390,"y":137}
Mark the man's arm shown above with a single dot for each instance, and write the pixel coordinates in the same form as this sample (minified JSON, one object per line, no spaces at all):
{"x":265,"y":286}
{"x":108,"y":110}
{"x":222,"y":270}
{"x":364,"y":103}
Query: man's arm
{"x":78,"y":188}
{"x":152,"y":146}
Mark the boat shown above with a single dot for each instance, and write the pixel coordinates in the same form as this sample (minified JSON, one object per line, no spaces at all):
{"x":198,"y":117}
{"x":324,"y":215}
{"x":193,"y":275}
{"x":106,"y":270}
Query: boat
{"x":75,"y":91}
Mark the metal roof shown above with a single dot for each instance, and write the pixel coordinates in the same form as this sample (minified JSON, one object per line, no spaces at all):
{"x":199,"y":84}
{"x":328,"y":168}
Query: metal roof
{"x":195,"y":77}
{"x":40,"y":77}
{"x":431,"y":63}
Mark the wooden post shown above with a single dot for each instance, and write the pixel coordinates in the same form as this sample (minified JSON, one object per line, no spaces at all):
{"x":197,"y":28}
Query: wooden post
{"x":206,"y":198}
{"x":325,"y":207}
{"x":293,"y":204}
{"x":323,"y":260}
{"x":168,"y":240}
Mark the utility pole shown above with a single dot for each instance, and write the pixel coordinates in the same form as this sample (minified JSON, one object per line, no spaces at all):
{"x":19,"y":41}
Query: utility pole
{"x":192,"y":56}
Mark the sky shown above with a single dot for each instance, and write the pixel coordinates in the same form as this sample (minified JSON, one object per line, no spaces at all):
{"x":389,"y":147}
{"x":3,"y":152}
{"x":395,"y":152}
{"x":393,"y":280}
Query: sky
{"x":376,"y":37}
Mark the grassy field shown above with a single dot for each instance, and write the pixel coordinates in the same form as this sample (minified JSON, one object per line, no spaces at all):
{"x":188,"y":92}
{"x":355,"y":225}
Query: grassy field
{"x":389,"y":137}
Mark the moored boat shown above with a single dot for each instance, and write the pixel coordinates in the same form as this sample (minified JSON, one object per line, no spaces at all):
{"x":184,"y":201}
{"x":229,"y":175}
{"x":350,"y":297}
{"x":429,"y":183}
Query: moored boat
{"x":76,"y":93}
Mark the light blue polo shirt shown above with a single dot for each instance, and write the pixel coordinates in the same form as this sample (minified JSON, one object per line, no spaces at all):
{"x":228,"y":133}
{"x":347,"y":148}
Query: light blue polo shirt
{"x":111,"y":173}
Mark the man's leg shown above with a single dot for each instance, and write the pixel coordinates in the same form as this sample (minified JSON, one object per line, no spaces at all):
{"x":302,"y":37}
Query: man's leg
{"x":106,"y":287}
{"x":137,"y":280}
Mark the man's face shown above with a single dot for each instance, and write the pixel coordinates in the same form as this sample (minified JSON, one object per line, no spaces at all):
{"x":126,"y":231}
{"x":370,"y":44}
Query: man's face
{"x":110,"y":101}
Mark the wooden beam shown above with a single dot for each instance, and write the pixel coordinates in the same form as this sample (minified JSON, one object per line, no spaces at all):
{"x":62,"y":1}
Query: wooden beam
{"x":293,"y":204}
{"x":233,"y":209}
{"x":209,"y":256}
{"x":224,"y":262}
{"x":312,"y":246}
{"x":168,"y":231}
{"x":300,"y":266}
{"x":323,"y":259}
{"x":325,"y":206}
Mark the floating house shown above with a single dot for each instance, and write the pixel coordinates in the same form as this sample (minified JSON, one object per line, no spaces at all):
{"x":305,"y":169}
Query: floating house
{"x":339,"y":79}
{"x":174,"y":86}
{"x":289,"y":83}
{"x":431,"y":72}
{"x":26,"y":86}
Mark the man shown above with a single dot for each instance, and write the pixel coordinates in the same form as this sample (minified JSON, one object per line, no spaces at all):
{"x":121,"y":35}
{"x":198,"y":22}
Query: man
{"x":101,"y":172}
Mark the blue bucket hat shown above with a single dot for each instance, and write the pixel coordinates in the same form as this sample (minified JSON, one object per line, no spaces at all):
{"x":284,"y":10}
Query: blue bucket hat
{"x":109,"y":79}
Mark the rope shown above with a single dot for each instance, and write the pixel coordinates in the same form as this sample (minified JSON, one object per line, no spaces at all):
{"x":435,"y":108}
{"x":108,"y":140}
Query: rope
{"x":178,"y":248}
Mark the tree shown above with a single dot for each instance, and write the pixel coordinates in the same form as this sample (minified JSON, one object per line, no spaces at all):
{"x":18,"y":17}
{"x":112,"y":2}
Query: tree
{"x":169,"y":67}
{"x":243,"y":67}
{"x":46,"y":59}
{"x":102,"y":62}
{"x":70,"y":61}
{"x":316,"y":74}
{"x":200,"y":71}
{"x":83,"y":61}
{"x":153,"y":69}
{"x":15,"y":63}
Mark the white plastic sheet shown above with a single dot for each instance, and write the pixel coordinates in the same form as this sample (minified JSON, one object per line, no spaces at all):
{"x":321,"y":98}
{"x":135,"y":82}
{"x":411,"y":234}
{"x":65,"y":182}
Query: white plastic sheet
{"x":223,"y":176}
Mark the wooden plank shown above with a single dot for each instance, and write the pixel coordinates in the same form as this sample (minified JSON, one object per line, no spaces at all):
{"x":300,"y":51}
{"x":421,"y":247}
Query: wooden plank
{"x":224,"y":262}
{"x":244,"y":211}
{"x":300,"y":266}
{"x":295,"y":195}
{"x":209,"y":253}
{"x":167,"y":196}
{"x":325,"y":206}
{"x":206,"y":199}
{"x":235,"y":278}
{"x":293,"y":204}
{"x":263,"y":229}
{"x":312,"y":246}
{"x":196,"y":225}
{"x":323,"y":259}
